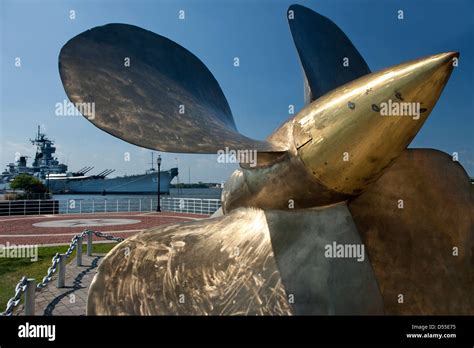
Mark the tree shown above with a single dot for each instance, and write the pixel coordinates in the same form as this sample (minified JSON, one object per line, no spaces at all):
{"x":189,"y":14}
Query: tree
{"x":28,"y":183}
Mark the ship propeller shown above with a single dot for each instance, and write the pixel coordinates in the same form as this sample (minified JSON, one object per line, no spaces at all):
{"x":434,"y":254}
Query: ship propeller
{"x":402,"y":244}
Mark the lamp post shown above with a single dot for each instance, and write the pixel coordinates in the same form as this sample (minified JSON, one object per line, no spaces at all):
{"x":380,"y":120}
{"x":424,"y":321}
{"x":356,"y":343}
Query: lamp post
{"x":158,"y":161}
{"x":48,"y":184}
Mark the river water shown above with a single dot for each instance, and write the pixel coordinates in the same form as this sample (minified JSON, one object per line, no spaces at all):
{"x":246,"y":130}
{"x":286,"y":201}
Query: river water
{"x":207,"y":193}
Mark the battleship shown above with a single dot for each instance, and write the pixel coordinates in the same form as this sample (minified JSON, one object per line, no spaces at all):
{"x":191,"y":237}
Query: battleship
{"x":58,"y":179}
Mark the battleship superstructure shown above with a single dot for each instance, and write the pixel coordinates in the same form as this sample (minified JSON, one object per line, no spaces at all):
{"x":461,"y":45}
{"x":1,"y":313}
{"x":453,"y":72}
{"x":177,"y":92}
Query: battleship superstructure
{"x":44,"y":163}
{"x":56,"y":177}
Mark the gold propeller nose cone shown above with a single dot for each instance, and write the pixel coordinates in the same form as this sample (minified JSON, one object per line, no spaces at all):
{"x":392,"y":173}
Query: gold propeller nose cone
{"x":347,"y":137}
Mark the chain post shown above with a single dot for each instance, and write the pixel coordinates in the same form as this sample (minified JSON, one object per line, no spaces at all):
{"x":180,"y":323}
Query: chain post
{"x":79,"y":251}
{"x":89,"y":243}
{"x":30,"y":296}
{"x":62,"y":271}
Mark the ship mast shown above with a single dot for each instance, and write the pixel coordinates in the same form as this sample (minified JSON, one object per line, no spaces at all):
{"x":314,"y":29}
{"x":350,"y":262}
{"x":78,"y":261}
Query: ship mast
{"x":152,"y":163}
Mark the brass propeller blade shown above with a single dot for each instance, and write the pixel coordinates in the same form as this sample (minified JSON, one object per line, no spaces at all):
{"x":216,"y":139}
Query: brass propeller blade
{"x":150,"y":91}
{"x":323,"y":47}
{"x":248,"y":262}
{"x":411,"y":220}
{"x":221,"y":266}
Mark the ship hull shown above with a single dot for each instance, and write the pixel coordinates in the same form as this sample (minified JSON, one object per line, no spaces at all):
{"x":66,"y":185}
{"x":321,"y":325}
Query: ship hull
{"x":133,"y":184}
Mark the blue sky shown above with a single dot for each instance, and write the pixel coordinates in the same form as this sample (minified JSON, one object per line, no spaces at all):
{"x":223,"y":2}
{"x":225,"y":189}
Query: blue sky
{"x":259,"y":91}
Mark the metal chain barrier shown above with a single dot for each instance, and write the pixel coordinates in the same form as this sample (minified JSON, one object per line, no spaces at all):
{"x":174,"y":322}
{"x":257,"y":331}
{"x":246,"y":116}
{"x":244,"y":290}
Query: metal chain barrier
{"x":15,"y":300}
{"x":108,"y":236}
{"x":51,"y":270}
{"x":21,"y":286}
{"x":56,"y":257}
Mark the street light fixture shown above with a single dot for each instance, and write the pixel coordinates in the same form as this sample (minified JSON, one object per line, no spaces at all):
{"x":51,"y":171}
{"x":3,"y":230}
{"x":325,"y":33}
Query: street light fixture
{"x":158,"y":161}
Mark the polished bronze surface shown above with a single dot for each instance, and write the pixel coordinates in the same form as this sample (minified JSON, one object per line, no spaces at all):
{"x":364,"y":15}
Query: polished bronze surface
{"x":243,"y":263}
{"x":351,"y":141}
{"x":411,"y":248}
{"x":335,"y":152}
{"x":221,"y":266}
{"x":318,"y":284}
{"x":266,"y":254}
{"x":285,"y":185}
{"x":164,"y":99}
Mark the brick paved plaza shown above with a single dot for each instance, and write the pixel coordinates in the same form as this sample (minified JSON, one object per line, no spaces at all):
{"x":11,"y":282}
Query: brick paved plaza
{"x":59,"y":229}
{"x":29,"y":229}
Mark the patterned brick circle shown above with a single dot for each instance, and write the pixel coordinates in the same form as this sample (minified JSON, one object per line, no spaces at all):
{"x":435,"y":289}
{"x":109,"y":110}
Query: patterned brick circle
{"x":86,"y":223}
{"x":53,"y":230}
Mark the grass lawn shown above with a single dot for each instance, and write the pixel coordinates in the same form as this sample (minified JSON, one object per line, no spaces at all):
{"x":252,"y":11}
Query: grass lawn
{"x":12,"y":269}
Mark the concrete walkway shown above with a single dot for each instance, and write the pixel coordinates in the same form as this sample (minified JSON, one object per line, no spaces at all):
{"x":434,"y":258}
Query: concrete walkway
{"x":72,"y":299}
